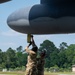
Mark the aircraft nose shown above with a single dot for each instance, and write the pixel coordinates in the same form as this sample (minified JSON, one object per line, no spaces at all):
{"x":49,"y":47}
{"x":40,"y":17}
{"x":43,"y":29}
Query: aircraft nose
{"x":19,"y":20}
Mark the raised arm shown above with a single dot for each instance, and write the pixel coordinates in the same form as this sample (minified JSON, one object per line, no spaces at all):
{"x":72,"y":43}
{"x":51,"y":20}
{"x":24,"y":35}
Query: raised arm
{"x":27,"y":47}
{"x":33,"y":42}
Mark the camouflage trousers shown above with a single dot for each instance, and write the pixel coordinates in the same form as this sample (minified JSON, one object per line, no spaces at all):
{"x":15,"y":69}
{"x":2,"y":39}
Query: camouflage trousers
{"x":31,"y":71}
{"x":40,"y":72}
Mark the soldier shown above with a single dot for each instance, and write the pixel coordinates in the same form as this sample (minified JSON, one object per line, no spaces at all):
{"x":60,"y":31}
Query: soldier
{"x":40,"y":63}
{"x":31,"y":67}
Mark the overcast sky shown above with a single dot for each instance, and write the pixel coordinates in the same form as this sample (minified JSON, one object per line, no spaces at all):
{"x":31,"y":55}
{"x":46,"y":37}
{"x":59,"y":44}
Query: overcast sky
{"x":13,"y":39}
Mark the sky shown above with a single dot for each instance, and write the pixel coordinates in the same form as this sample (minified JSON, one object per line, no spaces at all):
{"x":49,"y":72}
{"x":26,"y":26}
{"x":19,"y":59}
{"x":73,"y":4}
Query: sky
{"x":13,"y":39}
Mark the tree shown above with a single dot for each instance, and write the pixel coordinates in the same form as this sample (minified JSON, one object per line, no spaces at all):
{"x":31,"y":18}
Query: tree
{"x":0,"y":56}
{"x":11,"y":58}
{"x":70,"y":54}
{"x":51,"y":52}
{"x":62,"y":59}
{"x":48,"y":46}
{"x":63,"y":46}
{"x":22,"y":58}
{"x":19,"y":49}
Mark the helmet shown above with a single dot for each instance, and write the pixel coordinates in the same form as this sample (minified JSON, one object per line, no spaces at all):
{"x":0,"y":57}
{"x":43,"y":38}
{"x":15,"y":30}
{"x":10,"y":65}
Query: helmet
{"x":35,"y":48}
{"x":43,"y":53}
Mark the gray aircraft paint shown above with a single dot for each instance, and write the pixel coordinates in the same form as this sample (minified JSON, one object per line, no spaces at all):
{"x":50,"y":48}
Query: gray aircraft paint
{"x":19,"y":19}
{"x":2,"y":1}
{"x":57,"y":2}
{"x":49,"y":17}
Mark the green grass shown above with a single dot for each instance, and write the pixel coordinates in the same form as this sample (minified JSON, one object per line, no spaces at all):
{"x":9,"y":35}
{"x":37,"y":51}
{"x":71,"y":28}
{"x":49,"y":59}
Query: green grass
{"x":13,"y":73}
{"x":60,"y":73}
{"x":46,"y":73}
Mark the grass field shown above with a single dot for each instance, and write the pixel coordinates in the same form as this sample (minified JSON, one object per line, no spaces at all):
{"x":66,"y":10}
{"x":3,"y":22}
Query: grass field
{"x":46,"y":73}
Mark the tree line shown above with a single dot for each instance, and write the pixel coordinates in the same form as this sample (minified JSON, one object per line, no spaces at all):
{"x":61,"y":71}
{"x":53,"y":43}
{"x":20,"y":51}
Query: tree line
{"x":62,"y":57}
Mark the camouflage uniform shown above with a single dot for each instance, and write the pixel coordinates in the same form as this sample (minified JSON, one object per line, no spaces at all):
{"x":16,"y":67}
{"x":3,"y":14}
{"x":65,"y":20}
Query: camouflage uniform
{"x":31,"y":67}
{"x":40,"y":66}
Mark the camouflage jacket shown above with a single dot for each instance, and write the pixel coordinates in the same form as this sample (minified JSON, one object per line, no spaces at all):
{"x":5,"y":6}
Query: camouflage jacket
{"x":40,"y":64}
{"x":31,"y":60}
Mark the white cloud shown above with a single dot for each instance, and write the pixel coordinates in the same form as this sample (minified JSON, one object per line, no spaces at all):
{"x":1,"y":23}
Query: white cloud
{"x":43,"y":37}
{"x":2,"y":21}
{"x":7,"y":44}
{"x":11,"y":33}
{"x":24,"y":37}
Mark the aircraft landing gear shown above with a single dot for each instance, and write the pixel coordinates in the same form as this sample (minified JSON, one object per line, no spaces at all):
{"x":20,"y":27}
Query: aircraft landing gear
{"x":28,"y":38}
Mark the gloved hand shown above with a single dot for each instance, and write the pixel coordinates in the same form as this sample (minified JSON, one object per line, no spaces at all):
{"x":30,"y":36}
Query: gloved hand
{"x":30,"y":43}
{"x":32,"y":36}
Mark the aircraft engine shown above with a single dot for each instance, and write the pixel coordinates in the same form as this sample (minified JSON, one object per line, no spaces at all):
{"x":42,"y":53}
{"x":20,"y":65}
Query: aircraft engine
{"x":2,"y":1}
{"x":49,"y":17}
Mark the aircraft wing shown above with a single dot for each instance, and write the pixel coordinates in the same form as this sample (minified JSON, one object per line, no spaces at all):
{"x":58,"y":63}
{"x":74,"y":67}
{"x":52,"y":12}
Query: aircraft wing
{"x":2,"y":1}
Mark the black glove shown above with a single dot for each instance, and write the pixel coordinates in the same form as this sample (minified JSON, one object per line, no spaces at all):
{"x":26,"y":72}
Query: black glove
{"x":30,"y":43}
{"x":32,"y":36}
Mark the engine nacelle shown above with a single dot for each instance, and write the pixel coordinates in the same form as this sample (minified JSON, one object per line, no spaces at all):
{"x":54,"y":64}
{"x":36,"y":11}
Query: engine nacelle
{"x":45,"y":18}
{"x":2,"y":1}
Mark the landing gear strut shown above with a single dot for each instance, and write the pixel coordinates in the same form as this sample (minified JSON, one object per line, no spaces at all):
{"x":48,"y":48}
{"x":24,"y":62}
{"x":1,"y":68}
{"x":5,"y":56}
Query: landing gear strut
{"x":28,"y":38}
